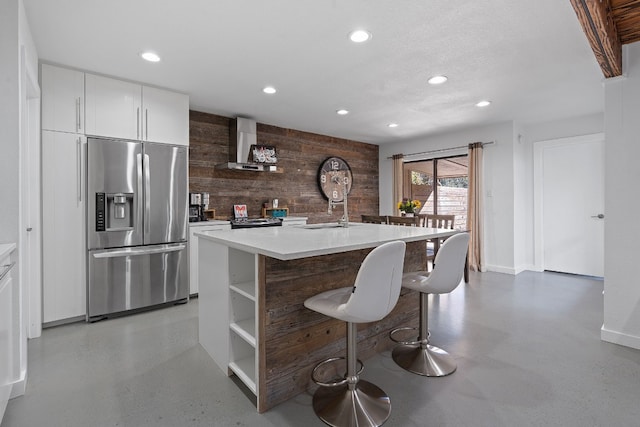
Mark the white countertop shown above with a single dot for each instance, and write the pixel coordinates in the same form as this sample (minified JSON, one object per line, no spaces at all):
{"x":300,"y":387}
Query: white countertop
{"x":6,"y":249}
{"x":210,"y":222}
{"x":303,"y":241}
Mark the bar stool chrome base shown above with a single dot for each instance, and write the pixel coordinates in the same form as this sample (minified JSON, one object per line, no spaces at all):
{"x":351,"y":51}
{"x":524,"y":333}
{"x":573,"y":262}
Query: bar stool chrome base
{"x":364,"y":406}
{"x":429,"y":361}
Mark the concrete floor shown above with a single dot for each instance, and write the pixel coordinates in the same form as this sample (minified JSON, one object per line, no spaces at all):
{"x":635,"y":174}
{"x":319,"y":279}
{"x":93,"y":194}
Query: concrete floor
{"x":528,"y":350}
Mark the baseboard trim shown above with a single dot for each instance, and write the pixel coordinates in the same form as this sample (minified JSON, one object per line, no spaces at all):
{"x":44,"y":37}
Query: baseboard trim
{"x":500,"y":269}
{"x":619,"y":338}
{"x":19,"y":387}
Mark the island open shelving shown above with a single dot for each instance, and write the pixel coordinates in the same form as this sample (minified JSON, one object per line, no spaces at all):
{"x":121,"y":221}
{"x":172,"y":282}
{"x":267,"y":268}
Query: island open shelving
{"x":253,"y":283}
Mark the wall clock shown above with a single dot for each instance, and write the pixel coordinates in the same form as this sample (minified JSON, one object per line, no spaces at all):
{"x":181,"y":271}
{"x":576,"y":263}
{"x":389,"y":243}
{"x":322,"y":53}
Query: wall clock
{"x":333,"y":172}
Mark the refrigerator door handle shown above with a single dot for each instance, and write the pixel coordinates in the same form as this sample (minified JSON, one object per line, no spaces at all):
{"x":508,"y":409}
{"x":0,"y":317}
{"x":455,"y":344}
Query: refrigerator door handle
{"x":147,"y":196}
{"x":140,"y":199}
{"x":140,"y":251}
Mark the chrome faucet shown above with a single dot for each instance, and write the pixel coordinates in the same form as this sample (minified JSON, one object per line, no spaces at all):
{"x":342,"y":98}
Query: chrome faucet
{"x":344,"y":221}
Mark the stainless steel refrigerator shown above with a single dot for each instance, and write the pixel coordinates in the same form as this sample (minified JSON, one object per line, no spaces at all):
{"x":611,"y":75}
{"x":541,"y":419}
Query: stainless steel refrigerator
{"x":136,"y":225}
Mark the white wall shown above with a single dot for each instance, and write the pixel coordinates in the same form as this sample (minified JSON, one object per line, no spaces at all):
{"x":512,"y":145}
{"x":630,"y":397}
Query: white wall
{"x":622,"y":174}
{"x":15,"y":37}
{"x":522,"y":203}
{"x":508,"y":176}
{"x":9,"y":121}
{"x":564,"y":128}
{"x":498,"y":184}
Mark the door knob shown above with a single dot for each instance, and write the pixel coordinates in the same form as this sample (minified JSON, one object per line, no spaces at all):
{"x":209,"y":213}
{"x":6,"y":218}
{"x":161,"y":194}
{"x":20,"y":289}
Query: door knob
{"x":599,"y":216}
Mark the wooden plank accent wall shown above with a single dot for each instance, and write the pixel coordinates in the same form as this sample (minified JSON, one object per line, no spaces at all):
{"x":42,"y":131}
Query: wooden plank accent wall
{"x":296,"y":338}
{"x":299,"y":156}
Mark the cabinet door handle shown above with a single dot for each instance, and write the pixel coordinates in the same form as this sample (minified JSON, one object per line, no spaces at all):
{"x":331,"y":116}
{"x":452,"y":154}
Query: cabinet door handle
{"x":146,"y":123}
{"x":79,"y":114}
{"x":79,"y":168}
{"x":138,"y":123}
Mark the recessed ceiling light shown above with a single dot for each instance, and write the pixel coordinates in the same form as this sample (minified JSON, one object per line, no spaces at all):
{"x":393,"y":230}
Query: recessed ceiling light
{"x":392,"y":125}
{"x":269,"y":89}
{"x":437,"y":80}
{"x":342,"y":112}
{"x":359,"y":36}
{"x":483,"y":104}
{"x":150,"y":56}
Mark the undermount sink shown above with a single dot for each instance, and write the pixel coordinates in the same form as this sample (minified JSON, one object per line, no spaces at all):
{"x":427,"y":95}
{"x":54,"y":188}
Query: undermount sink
{"x":325,"y":226}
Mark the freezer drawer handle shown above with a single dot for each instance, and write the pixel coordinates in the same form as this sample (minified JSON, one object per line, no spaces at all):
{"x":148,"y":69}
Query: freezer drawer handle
{"x":142,"y":251}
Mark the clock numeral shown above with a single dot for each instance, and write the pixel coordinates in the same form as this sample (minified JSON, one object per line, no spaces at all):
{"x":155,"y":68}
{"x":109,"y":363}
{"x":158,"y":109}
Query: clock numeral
{"x":323,"y":179}
{"x":335,"y":165}
{"x":335,"y":194}
{"x":346,"y":180}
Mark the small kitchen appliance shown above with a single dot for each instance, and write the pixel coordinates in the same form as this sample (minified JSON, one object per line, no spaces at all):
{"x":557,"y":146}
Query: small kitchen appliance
{"x":197,"y":207}
{"x":241,"y":219}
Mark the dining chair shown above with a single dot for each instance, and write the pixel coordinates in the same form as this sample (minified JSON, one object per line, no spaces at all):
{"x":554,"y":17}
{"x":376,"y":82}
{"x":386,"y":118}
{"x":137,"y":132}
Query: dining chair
{"x":374,"y":219}
{"x":407,"y":221}
{"x":436,"y":221}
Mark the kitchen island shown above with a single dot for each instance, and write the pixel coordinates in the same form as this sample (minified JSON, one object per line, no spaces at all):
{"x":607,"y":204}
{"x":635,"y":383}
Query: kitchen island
{"x":253,"y":283}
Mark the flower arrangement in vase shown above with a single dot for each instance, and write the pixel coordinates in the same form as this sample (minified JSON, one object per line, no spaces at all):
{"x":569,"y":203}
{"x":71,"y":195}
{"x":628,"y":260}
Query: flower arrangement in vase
{"x":408,"y":207}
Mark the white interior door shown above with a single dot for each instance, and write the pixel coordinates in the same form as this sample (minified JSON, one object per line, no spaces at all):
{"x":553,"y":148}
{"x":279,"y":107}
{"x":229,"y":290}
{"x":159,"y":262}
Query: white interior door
{"x":573,"y":205}
{"x":30,"y":212}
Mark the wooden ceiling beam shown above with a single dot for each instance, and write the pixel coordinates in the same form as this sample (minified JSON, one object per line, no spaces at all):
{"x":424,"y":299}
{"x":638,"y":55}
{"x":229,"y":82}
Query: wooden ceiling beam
{"x":598,"y":24}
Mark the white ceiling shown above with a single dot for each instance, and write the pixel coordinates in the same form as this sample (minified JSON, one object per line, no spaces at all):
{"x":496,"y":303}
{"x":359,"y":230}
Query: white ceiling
{"x":530,"y":58}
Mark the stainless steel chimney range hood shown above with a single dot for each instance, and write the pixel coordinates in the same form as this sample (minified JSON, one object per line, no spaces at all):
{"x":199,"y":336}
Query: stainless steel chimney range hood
{"x":243,"y":136}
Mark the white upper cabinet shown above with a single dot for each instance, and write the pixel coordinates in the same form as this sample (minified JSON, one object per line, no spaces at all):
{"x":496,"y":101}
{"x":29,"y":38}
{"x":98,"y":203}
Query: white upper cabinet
{"x":166,"y":116}
{"x":62,"y":99}
{"x":120,"y":109}
{"x":113,"y":108}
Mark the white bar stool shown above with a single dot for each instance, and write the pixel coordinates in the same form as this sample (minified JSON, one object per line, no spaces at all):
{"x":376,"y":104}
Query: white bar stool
{"x":351,"y":401}
{"x":418,"y":356}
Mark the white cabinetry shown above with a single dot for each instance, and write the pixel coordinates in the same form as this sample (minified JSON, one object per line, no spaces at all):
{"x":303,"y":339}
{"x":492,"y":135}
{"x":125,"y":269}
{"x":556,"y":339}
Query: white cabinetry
{"x":196,"y":227}
{"x":166,"y":116}
{"x":112,"y":107}
{"x":10,"y":328}
{"x":120,"y":109}
{"x":62,"y":99}
{"x":243,"y":360}
{"x":63,"y":231}
{"x":228,"y":309}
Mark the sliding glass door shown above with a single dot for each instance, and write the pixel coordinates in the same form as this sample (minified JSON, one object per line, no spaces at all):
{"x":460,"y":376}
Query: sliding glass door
{"x":440,"y":185}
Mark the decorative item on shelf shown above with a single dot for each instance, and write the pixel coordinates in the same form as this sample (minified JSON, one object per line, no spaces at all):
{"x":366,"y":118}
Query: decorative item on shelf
{"x":409,"y":207}
{"x":263,"y":154}
{"x":240,"y":211}
{"x":210,"y":214}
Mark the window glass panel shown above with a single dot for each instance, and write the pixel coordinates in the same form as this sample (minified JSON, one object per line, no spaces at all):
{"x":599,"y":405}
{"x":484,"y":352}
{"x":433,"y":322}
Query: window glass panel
{"x":440,"y":185}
